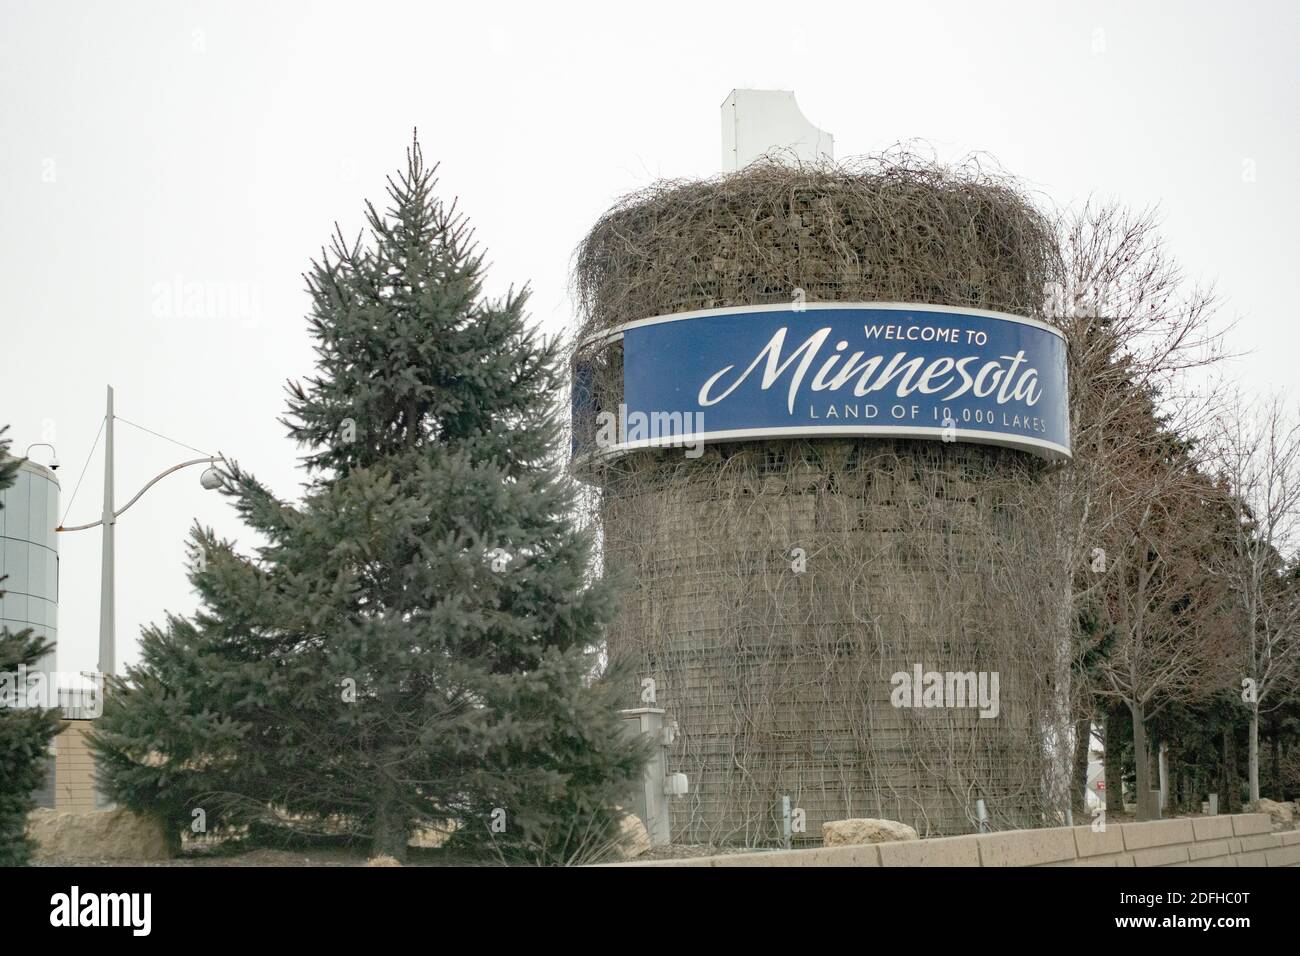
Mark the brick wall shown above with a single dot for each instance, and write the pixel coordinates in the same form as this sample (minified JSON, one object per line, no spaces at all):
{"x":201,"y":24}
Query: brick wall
{"x":74,"y":786}
{"x":1245,"y":839}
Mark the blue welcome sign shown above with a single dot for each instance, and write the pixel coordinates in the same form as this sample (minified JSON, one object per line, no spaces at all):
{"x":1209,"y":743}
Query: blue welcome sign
{"x":841,"y":369}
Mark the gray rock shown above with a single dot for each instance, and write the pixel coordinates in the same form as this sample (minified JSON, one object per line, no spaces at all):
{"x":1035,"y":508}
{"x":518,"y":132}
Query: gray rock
{"x":633,"y":839}
{"x":99,"y":835}
{"x":1282,"y":814}
{"x":865,"y":830}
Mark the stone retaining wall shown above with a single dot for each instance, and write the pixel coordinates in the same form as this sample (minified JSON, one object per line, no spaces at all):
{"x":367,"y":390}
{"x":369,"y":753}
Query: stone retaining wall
{"x":1245,"y":839}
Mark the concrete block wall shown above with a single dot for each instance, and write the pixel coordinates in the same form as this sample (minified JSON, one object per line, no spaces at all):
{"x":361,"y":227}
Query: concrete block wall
{"x":1245,"y":839}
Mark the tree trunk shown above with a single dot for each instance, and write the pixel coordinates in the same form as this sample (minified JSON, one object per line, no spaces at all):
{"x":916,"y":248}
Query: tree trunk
{"x":1142,"y":757}
{"x":391,"y":830}
{"x":1229,"y":797}
{"x":1275,"y":753}
{"x":1253,"y":765}
{"x":1114,"y":759}
{"x":1162,"y":775}
{"x":1082,"y":739}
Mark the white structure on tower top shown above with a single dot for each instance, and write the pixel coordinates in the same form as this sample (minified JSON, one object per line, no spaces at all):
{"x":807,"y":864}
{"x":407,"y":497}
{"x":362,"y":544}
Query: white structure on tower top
{"x":755,"y":122}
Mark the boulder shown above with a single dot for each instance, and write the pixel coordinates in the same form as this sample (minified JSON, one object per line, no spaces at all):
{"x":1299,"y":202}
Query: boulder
{"x":99,"y":835}
{"x":865,"y":830}
{"x":1282,"y":814}
{"x":632,"y":838}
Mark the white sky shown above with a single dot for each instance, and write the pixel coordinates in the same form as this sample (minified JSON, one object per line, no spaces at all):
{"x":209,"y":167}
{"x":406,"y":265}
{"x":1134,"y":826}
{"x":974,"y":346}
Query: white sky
{"x":218,"y":143}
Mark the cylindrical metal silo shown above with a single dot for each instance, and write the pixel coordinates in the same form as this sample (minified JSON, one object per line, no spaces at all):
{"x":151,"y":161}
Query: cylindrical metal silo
{"x":29,"y":560}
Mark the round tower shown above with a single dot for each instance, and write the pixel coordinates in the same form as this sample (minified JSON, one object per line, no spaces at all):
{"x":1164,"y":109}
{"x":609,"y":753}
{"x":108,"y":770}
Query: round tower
{"x":817,"y":409}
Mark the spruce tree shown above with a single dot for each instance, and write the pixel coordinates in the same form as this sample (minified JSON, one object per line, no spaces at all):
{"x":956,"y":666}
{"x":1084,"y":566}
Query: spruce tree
{"x":25,"y":729}
{"x":414,"y":641}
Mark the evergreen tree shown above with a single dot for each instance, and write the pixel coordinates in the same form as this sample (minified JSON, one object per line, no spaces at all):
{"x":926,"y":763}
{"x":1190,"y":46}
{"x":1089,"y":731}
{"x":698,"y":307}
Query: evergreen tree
{"x":415,"y":640}
{"x":25,"y":731}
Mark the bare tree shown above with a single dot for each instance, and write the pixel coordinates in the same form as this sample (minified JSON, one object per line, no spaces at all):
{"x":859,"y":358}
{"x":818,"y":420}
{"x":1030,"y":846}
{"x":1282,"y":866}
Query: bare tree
{"x":1166,"y":613}
{"x":1256,"y":447}
{"x":1135,"y":327}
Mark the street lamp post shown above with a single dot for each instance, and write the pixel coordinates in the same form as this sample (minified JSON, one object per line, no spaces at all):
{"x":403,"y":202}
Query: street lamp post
{"x":107,"y":571}
{"x":108,"y":520}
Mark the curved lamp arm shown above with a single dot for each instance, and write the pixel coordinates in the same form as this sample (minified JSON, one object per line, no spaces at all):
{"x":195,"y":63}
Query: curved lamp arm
{"x":54,"y":455}
{"x":117,"y":514}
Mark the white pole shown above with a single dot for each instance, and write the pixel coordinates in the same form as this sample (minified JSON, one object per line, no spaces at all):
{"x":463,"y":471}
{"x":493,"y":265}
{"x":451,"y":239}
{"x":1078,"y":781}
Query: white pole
{"x":107,"y":584}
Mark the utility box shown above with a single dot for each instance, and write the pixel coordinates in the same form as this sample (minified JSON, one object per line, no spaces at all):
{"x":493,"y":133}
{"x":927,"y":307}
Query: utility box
{"x":650,"y":798}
